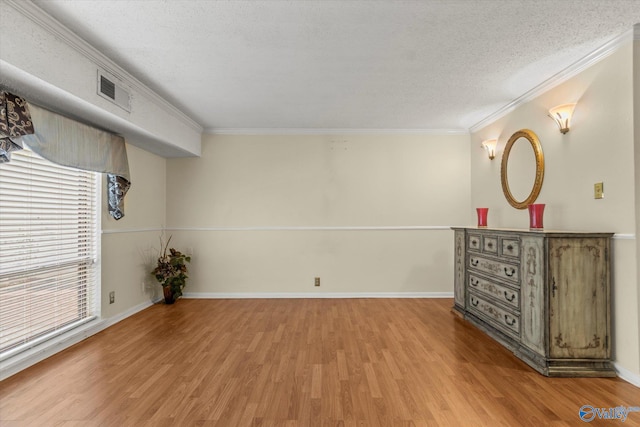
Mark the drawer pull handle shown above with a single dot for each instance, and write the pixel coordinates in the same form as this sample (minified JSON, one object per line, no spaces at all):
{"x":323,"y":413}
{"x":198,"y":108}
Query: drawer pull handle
{"x":474,"y":262}
{"x":490,"y":245}
{"x":506,"y":296}
{"x":510,"y":272}
{"x":510,"y":247}
{"x":506,"y":320}
{"x":474,"y":302}
{"x":474,"y":282}
{"x":474,"y":243}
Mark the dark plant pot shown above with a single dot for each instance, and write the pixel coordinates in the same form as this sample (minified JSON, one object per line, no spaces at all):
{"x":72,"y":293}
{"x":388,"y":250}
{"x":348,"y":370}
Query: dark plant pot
{"x":168,"y":295}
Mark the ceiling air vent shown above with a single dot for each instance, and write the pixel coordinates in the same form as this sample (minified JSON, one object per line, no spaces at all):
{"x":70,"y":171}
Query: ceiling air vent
{"x":114,"y":92}
{"x":107,"y":88}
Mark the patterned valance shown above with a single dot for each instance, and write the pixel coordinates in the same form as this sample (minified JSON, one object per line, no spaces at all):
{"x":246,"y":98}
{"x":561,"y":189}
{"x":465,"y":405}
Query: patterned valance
{"x":117,"y":187}
{"x":15,"y":121}
{"x":66,"y":142}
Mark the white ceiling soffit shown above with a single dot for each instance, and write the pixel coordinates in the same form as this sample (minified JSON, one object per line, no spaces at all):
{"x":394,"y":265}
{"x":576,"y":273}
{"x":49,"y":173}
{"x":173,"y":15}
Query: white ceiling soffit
{"x":55,"y":99}
{"x":344,"y":66}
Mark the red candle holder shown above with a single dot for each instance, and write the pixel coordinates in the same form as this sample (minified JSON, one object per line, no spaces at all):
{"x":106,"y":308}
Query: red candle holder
{"x":536,"y":213}
{"x":482,"y":216}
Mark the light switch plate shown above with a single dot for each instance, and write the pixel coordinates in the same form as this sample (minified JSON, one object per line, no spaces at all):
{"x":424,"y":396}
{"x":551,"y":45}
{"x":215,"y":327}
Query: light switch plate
{"x":598,"y":190}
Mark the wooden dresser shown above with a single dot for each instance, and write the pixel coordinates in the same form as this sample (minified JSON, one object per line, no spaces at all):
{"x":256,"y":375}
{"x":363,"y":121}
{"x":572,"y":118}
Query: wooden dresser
{"x":544,"y":295}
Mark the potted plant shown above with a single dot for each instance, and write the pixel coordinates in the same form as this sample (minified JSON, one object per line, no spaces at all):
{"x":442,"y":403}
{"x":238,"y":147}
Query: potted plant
{"x":171,"y":272}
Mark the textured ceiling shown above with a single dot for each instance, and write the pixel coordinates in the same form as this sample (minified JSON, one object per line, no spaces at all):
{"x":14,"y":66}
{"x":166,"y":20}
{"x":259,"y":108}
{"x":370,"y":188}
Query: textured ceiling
{"x":410,"y":65}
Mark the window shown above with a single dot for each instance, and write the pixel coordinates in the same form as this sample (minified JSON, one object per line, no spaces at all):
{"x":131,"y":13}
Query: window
{"x":48,"y":250}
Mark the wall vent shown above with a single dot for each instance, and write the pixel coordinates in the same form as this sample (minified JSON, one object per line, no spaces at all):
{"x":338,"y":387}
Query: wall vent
{"x":112,"y":91}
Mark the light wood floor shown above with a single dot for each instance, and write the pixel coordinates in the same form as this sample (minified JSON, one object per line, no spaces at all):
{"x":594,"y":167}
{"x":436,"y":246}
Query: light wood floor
{"x":324,"y":362}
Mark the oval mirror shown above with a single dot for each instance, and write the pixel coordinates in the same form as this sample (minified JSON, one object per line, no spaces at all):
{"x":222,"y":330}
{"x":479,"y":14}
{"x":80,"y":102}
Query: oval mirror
{"x":522,"y":169}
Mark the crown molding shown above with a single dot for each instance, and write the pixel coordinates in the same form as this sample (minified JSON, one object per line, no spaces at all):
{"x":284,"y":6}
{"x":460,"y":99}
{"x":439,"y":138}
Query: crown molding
{"x":561,"y":77}
{"x":321,"y":131}
{"x":48,"y":23}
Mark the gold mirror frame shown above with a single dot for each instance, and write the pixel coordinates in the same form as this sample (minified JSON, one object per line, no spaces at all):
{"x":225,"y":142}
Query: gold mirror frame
{"x":537,"y":184}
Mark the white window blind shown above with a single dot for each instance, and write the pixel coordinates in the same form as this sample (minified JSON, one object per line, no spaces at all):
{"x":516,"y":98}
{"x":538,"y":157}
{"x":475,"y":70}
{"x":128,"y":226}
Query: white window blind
{"x":48,"y":250}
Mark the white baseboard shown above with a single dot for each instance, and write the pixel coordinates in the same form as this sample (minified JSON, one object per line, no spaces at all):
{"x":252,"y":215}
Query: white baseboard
{"x":261,"y":295}
{"x":627,"y":375}
{"x":317,"y":228}
{"x":30,"y":357}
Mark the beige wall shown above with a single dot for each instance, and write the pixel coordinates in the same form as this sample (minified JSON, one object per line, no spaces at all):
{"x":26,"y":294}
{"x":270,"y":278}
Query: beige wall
{"x":128,"y":245}
{"x":599,"y":147}
{"x":255,"y":211}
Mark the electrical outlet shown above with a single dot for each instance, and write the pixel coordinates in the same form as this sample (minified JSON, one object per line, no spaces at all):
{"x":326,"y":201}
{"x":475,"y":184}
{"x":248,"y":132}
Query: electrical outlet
{"x":317,"y":282}
{"x":598,"y":190}
{"x":112,"y":297}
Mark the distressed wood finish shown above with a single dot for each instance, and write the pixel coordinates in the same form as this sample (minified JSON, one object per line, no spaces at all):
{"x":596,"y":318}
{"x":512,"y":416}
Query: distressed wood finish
{"x":579,"y":275}
{"x":313,"y":362}
{"x":459,"y":274}
{"x":533,"y":279}
{"x":543,"y":295}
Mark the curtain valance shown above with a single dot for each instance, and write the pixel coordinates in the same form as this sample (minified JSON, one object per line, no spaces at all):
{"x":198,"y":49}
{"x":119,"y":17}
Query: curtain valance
{"x":70,"y":143}
{"x":67,"y":142}
{"x":15,"y":121}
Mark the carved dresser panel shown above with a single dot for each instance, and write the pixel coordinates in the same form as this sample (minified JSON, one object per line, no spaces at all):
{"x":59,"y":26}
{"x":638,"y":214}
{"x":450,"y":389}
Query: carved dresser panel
{"x":544,"y":295}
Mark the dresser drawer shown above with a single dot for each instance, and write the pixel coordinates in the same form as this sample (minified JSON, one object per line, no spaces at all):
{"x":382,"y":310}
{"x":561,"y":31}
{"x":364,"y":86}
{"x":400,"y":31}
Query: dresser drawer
{"x":475,"y":242}
{"x":511,"y":248}
{"x":490,"y":245}
{"x":502,"y":270}
{"x":502,"y":293}
{"x":497,"y":316}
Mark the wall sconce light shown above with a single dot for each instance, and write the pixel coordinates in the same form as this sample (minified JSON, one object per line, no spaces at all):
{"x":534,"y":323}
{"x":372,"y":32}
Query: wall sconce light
{"x":562,"y":115}
{"x":490,"y":146}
